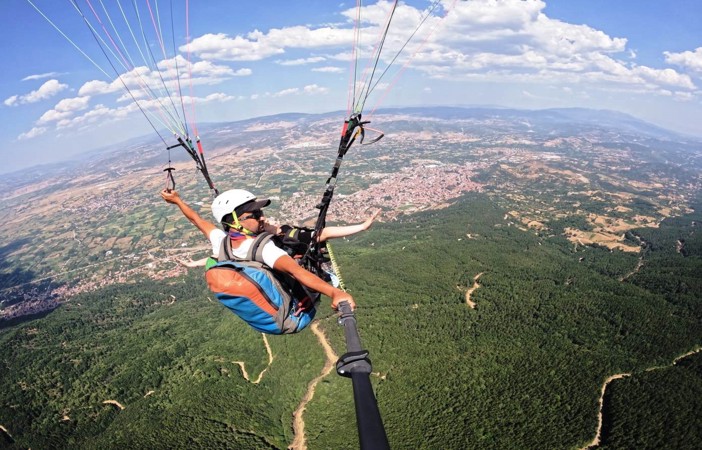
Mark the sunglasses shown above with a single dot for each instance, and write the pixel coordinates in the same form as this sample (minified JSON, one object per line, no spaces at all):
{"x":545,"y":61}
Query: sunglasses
{"x":257,"y":214}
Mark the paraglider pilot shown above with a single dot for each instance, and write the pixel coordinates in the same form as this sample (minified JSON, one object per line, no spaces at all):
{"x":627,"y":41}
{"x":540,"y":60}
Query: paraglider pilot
{"x":241,"y":215}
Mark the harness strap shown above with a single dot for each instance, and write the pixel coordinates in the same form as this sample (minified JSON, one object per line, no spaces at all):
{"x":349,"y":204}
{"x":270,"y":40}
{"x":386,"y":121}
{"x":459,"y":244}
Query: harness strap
{"x":255,"y":252}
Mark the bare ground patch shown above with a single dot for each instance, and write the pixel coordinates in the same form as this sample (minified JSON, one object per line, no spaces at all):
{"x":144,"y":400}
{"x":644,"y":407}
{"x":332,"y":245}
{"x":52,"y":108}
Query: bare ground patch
{"x":471,"y":304}
{"x":606,"y":239}
{"x":114,"y":403}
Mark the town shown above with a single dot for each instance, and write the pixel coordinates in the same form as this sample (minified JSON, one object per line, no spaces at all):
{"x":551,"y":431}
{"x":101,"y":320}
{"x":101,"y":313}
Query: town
{"x":104,"y":222}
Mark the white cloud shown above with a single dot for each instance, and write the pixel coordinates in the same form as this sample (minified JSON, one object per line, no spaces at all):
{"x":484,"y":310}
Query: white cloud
{"x":666,"y":77}
{"x":41,"y":76}
{"x":285,"y":92}
{"x":683,"y":96}
{"x":212,"y":72}
{"x":34,"y":132}
{"x":689,"y":60}
{"x":313,"y":89}
{"x":64,"y":117}
{"x":514,"y":40}
{"x":512,"y":35}
{"x":97,"y":87}
{"x":11,"y":101}
{"x":310,"y":89}
{"x":144,"y":82}
{"x":53,"y":116}
{"x":224,"y":48}
{"x":382,"y":86}
{"x":72,"y":104}
{"x":328,"y":69}
{"x":218,"y":97}
{"x":45,"y":91}
{"x":64,"y":109}
{"x":257,"y":45}
{"x":100,"y":114}
{"x":476,"y":39}
{"x":301,"y":61}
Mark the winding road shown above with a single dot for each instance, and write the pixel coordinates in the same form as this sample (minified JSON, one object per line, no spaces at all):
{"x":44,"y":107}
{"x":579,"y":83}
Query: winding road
{"x":114,"y":403}
{"x":636,"y":269}
{"x":4,"y":430}
{"x":600,"y":416}
{"x":242,"y":364}
{"x":471,"y":304}
{"x":299,"y":442}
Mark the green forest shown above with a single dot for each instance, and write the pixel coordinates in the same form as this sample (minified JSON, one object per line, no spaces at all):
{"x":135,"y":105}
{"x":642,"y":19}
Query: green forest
{"x":522,"y":370}
{"x":658,"y":408}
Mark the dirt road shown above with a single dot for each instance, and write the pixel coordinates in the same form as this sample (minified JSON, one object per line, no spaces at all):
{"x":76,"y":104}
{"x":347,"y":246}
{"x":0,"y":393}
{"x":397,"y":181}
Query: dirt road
{"x":596,"y":441}
{"x":471,"y":304}
{"x":113,"y":402}
{"x":242,"y":364}
{"x":299,"y":442}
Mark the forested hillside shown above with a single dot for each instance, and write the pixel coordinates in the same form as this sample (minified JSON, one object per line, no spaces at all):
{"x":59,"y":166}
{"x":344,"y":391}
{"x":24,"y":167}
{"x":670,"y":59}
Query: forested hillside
{"x":522,"y":370}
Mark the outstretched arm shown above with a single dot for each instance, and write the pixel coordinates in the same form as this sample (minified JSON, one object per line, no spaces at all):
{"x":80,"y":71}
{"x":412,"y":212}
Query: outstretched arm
{"x":204,"y":226}
{"x":288,"y":265}
{"x":348,"y":230}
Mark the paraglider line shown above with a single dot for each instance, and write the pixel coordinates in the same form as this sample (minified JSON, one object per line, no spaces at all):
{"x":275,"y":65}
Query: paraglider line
{"x":421,"y":22}
{"x":119,"y":76}
{"x":102,"y":44}
{"x":69,"y":39}
{"x":377,"y":57}
{"x":353,"y":73}
{"x":175,"y":58}
{"x":174,"y":121}
{"x":159,"y":36}
{"x":406,"y":64}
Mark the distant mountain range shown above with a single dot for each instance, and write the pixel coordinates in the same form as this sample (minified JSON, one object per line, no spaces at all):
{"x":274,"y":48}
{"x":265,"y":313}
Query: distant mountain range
{"x":604,"y":119}
{"x":581,"y":120}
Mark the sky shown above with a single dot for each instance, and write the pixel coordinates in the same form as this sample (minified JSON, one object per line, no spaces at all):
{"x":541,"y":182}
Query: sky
{"x":60,"y":93}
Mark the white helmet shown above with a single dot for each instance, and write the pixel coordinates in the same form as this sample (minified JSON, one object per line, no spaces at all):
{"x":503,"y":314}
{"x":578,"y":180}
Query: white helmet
{"x":228,"y":201}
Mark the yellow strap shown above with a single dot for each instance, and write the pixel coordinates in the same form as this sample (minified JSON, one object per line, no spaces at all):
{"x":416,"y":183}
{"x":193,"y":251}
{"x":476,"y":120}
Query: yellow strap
{"x":335,"y":267}
{"x":240,"y":228}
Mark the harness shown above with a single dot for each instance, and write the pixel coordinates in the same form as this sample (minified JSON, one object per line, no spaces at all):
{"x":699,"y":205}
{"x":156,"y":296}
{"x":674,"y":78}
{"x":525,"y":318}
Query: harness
{"x":269,"y":301}
{"x":255,"y":252}
{"x":302,"y":297}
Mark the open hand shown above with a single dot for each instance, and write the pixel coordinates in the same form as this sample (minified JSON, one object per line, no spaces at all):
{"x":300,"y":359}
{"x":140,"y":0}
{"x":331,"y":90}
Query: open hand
{"x":369,"y":221}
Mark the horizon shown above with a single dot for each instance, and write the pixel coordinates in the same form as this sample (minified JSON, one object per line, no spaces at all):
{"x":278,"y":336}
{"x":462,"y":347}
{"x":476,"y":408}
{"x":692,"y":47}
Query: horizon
{"x":531,"y":55}
{"x":144,"y":138}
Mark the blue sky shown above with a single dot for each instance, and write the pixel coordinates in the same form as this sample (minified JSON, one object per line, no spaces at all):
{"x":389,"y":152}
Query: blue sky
{"x":641,"y":57}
